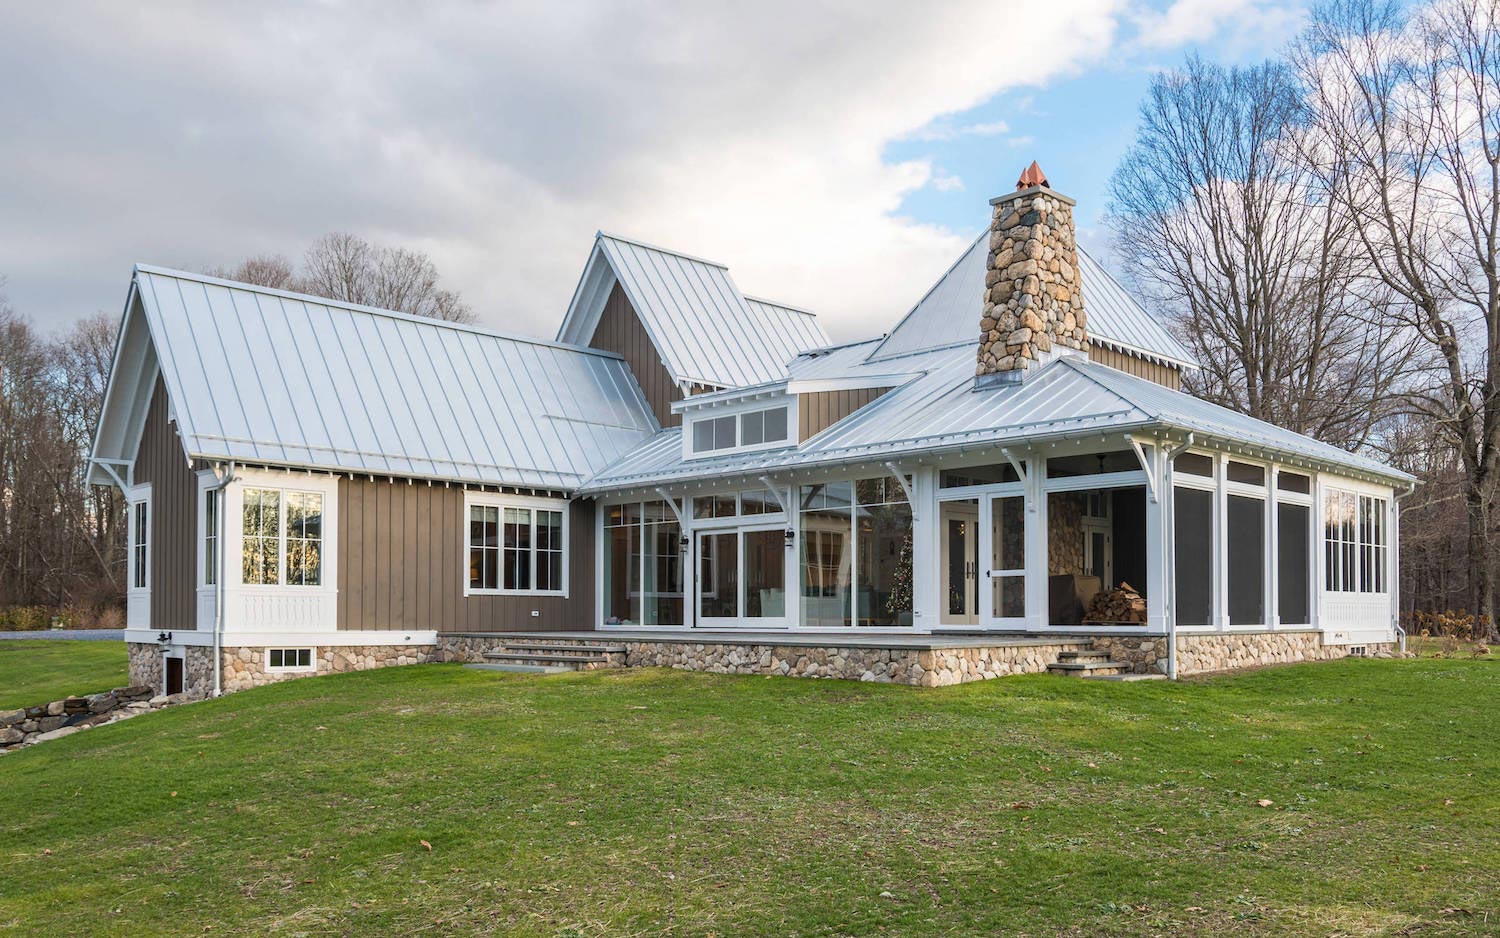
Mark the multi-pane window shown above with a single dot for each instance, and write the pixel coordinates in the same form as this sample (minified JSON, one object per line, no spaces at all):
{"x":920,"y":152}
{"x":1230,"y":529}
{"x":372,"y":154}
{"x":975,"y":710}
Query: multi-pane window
{"x":265,"y":540}
{"x":210,"y":537}
{"x":516,"y":549}
{"x":1355,"y":545}
{"x":304,"y":538}
{"x":751,"y":428}
{"x":139,"y":526}
{"x":289,"y":659}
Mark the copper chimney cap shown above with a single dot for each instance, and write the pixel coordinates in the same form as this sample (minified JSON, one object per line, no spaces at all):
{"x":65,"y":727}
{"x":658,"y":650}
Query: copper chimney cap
{"x":1033,"y":176}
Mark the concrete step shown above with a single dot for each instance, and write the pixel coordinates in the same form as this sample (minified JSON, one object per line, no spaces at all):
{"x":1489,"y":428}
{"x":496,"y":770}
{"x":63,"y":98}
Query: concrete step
{"x":590,"y":649}
{"x":524,"y":657}
{"x":520,"y":668}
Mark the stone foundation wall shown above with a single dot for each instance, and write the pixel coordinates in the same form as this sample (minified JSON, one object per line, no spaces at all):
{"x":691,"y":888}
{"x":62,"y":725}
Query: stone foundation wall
{"x":1197,"y":654}
{"x":245,"y":666}
{"x":1221,"y":651}
{"x":937,"y":667}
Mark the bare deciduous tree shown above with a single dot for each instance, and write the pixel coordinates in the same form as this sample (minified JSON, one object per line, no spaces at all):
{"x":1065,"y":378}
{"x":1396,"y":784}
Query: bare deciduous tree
{"x":1236,"y":238}
{"x":1405,"y":123}
{"x":346,"y":267}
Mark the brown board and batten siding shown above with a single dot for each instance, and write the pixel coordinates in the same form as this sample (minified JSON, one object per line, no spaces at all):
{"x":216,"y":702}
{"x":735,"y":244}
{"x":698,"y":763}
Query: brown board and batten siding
{"x":403,"y":560}
{"x":620,"y":331}
{"x":173,"y":526}
{"x":819,"y":410}
{"x":1165,"y":375}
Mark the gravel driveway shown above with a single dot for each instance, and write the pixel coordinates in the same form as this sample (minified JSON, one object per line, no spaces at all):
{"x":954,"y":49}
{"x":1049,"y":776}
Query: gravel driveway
{"x":87,"y":635}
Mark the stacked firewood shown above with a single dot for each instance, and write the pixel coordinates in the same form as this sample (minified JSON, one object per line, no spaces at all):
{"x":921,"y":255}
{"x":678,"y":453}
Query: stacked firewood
{"x":1122,"y":604}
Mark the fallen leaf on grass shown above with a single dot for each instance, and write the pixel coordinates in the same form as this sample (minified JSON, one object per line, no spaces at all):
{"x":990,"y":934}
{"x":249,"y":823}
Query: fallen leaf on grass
{"x":426,"y":844}
{"x":1021,"y":805}
{"x":1265,"y":802}
{"x":1447,"y":801}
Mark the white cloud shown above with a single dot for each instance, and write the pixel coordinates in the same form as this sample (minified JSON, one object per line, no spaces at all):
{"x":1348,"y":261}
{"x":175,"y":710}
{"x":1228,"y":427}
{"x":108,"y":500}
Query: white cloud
{"x":500,"y":139}
{"x":943,"y":182}
{"x":1242,"y":25}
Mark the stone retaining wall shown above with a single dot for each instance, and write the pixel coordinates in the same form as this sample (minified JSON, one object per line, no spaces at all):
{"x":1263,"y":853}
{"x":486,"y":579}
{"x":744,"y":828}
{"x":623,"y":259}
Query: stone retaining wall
{"x":59,"y":718}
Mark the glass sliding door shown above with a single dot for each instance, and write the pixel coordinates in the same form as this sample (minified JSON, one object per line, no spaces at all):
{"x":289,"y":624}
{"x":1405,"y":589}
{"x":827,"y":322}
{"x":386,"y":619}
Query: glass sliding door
{"x":742,"y":578}
{"x":1007,"y":572}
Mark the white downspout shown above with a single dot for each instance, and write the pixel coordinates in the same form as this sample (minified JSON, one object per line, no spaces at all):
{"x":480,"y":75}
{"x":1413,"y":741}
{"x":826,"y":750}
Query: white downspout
{"x":1396,"y":552}
{"x":222,"y":537}
{"x":1169,"y":541}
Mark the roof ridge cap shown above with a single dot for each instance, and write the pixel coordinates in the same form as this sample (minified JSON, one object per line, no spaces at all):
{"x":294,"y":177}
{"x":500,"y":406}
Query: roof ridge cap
{"x":623,"y":239}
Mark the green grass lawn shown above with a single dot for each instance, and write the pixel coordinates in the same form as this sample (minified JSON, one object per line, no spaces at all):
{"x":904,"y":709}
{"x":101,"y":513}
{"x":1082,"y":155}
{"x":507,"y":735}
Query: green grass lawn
{"x":38,"y":671}
{"x":659,"y":802}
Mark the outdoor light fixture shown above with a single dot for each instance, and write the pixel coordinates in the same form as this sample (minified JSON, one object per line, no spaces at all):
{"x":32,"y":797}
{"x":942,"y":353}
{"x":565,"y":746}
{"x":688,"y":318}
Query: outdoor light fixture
{"x":164,"y":638}
{"x":791,"y":537}
{"x":685,"y":541}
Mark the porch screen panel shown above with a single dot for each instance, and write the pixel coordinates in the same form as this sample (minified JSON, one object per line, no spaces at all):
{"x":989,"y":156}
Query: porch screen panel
{"x":622,"y":564}
{"x":884,"y":543}
{"x":1293,"y":562}
{"x":765,"y":574}
{"x":719,"y":576}
{"x":1193,"y":527}
{"x":1247,"y":560}
{"x":661,"y":600}
{"x":1008,"y":545}
{"x":826,"y":565}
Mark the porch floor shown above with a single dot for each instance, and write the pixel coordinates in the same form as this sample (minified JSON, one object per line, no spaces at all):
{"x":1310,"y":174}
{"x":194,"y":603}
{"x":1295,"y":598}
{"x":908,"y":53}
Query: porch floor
{"x":923,"y":642}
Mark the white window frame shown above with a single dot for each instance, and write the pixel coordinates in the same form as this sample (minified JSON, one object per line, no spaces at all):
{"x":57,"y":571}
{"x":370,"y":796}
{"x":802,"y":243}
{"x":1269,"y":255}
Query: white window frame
{"x":527,"y":503}
{"x":738,"y":412}
{"x":1380,"y":553}
{"x":325,"y":541}
{"x":136,"y":496}
{"x":309,"y":668}
{"x":207,"y":488}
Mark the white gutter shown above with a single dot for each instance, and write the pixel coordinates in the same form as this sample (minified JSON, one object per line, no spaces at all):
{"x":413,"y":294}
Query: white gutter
{"x":1169,"y":540}
{"x":221,"y":536}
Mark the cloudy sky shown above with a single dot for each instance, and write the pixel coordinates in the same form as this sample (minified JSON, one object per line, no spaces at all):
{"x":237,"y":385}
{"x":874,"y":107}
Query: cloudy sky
{"x":836,"y":156}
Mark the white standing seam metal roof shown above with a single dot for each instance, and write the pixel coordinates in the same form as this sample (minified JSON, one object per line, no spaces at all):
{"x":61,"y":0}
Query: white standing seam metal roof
{"x":941,"y":410}
{"x":949,"y":313}
{"x":705,"y":330}
{"x":266,"y":376}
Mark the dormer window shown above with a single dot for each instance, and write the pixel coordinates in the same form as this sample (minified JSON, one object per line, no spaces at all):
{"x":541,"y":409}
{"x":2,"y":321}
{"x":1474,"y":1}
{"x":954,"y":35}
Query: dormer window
{"x":713,"y":434}
{"x":751,"y":429}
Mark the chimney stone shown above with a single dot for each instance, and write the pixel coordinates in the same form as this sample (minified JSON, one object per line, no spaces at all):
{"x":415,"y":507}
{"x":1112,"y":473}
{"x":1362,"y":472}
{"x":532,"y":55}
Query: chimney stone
{"x":1033,"y":309}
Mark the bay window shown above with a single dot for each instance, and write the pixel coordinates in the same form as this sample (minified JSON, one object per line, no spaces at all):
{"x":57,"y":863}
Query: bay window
{"x":515,"y":546}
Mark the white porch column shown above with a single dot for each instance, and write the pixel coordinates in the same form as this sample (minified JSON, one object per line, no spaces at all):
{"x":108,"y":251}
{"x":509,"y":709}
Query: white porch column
{"x":1221,"y":544}
{"x":926,"y":565}
{"x":1038,"y":616}
{"x":1158,"y":544}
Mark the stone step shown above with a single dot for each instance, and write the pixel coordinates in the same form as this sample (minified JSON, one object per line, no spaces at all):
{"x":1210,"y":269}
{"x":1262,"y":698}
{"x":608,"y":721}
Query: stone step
{"x":1082,"y":656}
{"x":521,"y":668}
{"x":565,"y":649}
{"x":1153,"y":676}
{"x":545,"y":658}
{"x":1088,"y":668}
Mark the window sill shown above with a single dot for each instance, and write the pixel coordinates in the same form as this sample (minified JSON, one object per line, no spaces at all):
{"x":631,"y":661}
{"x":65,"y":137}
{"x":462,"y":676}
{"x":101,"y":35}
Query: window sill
{"x":557,"y":594}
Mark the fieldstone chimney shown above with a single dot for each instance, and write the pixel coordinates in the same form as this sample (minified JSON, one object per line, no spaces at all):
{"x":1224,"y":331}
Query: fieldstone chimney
{"x":1032,"y":304}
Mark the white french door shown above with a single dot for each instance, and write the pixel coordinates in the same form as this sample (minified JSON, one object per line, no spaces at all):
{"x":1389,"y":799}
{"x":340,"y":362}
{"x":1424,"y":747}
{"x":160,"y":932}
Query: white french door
{"x":959,"y":546}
